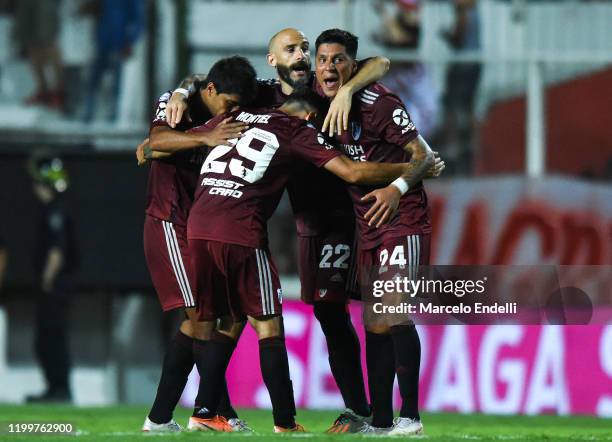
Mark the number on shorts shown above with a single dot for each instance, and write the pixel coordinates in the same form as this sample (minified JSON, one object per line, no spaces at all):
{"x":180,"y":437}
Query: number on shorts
{"x":383,"y":257}
{"x":344,"y":250}
{"x":397,"y":257}
{"x":260,"y":158}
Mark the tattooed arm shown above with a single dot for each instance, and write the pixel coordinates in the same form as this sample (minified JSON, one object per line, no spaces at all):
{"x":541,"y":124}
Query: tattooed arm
{"x":386,"y":200}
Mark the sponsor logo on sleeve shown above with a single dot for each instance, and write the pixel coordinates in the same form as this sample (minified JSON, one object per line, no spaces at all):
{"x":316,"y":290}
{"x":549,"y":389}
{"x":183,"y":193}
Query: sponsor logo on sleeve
{"x":401,"y":118}
{"x":160,"y":113}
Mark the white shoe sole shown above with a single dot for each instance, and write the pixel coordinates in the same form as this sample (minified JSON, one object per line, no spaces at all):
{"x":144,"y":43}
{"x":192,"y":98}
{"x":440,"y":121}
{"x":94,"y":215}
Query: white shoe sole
{"x":196,"y":426}
{"x":405,"y":432}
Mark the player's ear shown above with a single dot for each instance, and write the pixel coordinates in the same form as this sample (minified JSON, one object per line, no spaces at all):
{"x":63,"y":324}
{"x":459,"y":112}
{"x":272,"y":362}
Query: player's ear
{"x":211,"y":89}
{"x":271,"y":60}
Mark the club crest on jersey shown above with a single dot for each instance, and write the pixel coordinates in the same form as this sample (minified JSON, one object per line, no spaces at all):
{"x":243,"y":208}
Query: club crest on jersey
{"x":355,"y":130}
{"x":321,"y":140}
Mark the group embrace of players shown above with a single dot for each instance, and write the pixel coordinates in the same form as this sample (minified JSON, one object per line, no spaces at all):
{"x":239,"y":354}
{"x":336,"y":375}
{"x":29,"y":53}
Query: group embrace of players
{"x":223,"y":148}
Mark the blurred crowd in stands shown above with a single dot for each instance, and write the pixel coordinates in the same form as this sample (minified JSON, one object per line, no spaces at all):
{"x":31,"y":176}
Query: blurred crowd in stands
{"x":35,"y":33}
{"x":40,"y":40}
{"x":447,"y":121}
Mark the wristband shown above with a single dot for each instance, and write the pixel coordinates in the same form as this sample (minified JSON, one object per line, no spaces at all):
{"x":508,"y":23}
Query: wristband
{"x":182,"y":91}
{"x":401,"y":185}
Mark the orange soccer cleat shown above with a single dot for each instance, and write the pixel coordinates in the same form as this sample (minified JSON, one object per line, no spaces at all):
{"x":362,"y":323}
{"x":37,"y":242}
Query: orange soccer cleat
{"x":348,"y":422}
{"x":296,"y":429}
{"x":217,"y":423}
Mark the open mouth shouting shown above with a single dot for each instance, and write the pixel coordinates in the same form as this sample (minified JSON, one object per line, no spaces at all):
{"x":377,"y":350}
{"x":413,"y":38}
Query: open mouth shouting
{"x":296,"y":75}
{"x":331,"y":82}
{"x":300,"y":70}
{"x":334,"y":67}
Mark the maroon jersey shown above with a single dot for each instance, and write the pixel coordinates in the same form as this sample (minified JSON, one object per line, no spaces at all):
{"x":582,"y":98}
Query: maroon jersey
{"x":172,"y":180}
{"x":240,"y":186}
{"x":379,"y":128}
{"x":322,"y":206}
{"x":269,"y":94}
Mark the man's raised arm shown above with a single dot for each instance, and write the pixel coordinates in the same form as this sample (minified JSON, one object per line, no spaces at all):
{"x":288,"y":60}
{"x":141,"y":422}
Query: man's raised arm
{"x":177,"y":105}
{"x":370,"y":71}
{"x":166,"y":139}
{"x":386,"y":200}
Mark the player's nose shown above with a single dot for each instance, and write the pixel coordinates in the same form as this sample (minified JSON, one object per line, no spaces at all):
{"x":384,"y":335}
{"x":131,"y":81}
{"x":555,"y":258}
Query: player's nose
{"x":300,"y":54}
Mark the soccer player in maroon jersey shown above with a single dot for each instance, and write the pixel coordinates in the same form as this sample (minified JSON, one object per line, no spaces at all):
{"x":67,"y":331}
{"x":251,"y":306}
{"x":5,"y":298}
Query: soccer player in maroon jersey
{"x":241,"y":186}
{"x":381,"y":131}
{"x":323,"y":215}
{"x":171,"y":186}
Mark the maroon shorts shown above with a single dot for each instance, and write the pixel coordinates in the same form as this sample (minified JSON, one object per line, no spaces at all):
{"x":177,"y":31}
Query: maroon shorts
{"x":396,"y":257}
{"x":325,"y":267}
{"x":167,"y":255}
{"x":401,"y":255}
{"x":229,"y":279}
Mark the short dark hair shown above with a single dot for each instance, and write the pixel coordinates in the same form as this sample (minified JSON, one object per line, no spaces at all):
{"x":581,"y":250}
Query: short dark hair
{"x":233,"y":75}
{"x":345,"y":38}
{"x":309,"y":100}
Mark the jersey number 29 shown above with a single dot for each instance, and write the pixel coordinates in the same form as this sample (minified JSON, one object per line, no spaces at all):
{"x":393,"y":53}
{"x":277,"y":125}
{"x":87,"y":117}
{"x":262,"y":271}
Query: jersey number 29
{"x":260,"y":158}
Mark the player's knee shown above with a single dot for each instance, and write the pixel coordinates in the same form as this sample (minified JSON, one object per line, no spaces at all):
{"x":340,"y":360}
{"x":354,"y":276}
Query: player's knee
{"x":378,"y":329}
{"x":186,"y":328}
{"x":230,"y":327}
{"x":202,"y":330}
{"x":268,"y":327}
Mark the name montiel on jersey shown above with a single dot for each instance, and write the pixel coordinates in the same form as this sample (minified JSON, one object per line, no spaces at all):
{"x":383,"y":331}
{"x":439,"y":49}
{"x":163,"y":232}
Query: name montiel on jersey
{"x":252,"y":119}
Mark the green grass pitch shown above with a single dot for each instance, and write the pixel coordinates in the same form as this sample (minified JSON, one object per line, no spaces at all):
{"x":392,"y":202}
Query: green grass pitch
{"x":123,"y":423}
